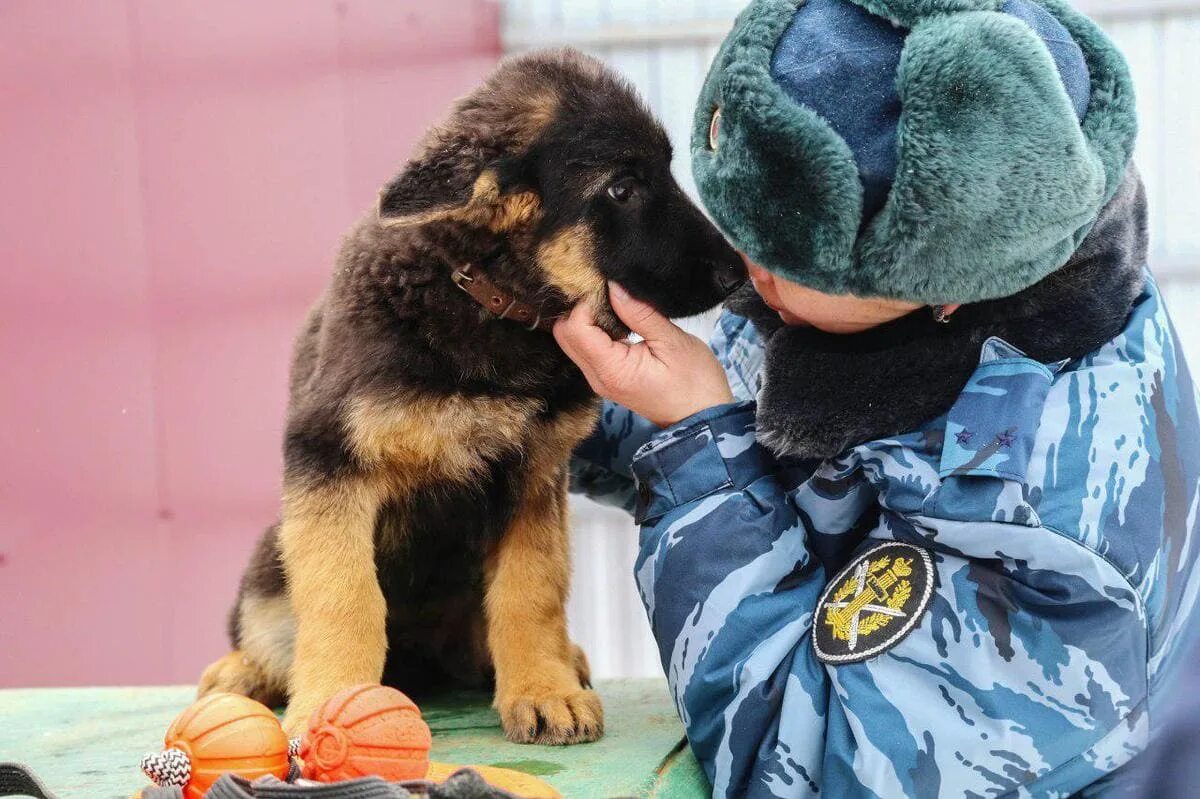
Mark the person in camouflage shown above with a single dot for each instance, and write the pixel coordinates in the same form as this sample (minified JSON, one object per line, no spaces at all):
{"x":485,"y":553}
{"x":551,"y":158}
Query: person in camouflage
{"x":887,"y":550}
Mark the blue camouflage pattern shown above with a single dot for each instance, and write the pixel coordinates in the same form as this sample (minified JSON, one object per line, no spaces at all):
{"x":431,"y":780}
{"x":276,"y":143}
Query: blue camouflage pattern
{"x":983,"y":429}
{"x":1059,"y":504}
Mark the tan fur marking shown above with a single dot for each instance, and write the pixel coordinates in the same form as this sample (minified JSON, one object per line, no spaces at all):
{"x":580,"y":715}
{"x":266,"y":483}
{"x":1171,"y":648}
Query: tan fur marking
{"x":568,"y":261}
{"x":533,"y":114}
{"x":419,"y":439}
{"x":539,"y":692}
{"x":516,"y":211}
{"x":326,"y":542}
{"x":500,"y":213}
{"x":486,"y":189}
{"x":477,"y":209}
{"x":557,"y":439}
{"x":268,"y":633}
{"x":407,"y":220}
{"x":486,"y":208}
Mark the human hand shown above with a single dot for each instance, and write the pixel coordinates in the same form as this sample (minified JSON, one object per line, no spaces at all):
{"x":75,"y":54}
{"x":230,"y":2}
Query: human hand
{"x":668,"y":376}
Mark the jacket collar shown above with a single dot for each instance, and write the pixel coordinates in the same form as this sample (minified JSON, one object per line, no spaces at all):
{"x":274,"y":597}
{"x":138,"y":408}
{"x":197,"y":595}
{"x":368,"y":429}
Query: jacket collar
{"x":823,"y":393}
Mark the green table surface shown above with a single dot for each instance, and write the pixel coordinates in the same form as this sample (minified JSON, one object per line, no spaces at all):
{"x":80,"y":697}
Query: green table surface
{"x":85,"y":743}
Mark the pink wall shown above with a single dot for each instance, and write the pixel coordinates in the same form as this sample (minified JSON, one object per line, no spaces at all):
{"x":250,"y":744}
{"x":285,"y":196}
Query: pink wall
{"x":174,"y":178}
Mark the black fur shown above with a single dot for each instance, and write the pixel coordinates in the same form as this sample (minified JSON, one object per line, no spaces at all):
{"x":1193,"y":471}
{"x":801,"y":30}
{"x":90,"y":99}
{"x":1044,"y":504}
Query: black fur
{"x":431,"y":551}
{"x":656,"y":243}
{"x":823,"y":393}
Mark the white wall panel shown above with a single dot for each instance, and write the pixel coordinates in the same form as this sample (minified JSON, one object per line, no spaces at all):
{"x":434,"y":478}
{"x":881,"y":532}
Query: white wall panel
{"x":679,"y":79}
{"x":544,"y":16}
{"x":1183,"y":299}
{"x":1180,"y":140}
{"x":664,"y":48}
{"x":1141,"y":41}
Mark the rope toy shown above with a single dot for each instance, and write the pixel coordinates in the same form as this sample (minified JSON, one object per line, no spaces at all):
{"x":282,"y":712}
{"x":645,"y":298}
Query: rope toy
{"x":170,"y":767}
{"x":218,"y":734}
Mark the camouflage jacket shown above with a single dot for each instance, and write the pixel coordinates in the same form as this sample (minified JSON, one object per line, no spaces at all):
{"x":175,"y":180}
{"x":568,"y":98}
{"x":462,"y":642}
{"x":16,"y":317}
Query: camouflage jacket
{"x":988,"y":605}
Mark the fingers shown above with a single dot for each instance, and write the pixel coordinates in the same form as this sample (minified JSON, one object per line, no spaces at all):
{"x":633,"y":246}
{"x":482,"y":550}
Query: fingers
{"x":581,"y":339}
{"x":641,"y":317}
{"x":587,"y":344}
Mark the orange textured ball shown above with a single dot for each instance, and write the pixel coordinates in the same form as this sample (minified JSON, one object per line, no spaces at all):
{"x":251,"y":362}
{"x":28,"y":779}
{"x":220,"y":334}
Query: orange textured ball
{"x":227,"y":732}
{"x":363,"y":731}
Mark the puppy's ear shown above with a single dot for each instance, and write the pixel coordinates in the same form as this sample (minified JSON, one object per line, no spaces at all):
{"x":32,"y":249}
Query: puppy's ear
{"x":450,"y":181}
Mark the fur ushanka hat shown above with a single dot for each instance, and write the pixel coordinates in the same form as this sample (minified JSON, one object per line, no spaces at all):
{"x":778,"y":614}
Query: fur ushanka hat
{"x":928,"y":150}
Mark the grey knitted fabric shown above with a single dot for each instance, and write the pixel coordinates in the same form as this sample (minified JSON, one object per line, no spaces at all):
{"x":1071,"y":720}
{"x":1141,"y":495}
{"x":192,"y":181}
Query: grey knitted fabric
{"x":157,"y":792}
{"x":230,"y":786}
{"x":463,"y":784}
{"x":17,"y":780}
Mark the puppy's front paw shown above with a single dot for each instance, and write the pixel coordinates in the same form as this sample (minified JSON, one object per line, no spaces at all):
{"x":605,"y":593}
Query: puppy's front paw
{"x":554,"y":718}
{"x":237,"y":674}
{"x":299,"y":710}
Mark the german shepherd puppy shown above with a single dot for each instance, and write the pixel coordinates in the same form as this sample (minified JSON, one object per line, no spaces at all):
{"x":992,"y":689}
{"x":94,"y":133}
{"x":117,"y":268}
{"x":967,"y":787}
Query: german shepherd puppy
{"x":424,"y":521}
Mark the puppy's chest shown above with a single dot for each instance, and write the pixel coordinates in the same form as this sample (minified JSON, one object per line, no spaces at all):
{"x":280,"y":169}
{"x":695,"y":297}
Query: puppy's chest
{"x":459,"y":473}
{"x":416,"y":441}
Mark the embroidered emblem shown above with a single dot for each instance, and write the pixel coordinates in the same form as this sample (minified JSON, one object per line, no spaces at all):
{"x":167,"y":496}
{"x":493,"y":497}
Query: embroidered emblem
{"x":964,"y":437}
{"x":1007,"y":438}
{"x":873,"y":603}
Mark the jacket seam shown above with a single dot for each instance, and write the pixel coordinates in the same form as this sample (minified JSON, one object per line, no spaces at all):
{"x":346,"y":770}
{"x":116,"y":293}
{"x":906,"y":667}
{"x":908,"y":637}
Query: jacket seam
{"x":1137,"y":598}
{"x":958,"y":471}
{"x":662,"y":441}
{"x":666,"y":478}
{"x":1011,"y":792}
{"x":676,"y":503}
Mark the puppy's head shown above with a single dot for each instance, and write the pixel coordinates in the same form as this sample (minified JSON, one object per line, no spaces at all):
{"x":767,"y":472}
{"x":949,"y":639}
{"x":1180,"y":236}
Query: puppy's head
{"x":559,"y":156}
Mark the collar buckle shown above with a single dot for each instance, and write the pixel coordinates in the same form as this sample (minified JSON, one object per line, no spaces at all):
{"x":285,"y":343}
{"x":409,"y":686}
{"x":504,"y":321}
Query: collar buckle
{"x":461,"y":276}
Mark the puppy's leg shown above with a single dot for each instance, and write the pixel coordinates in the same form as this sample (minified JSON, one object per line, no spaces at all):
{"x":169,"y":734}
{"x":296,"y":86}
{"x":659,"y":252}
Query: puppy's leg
{"x":236,"y":673}
{"x":262,"y":630}
{"x":539,"y":693}
{"x":328,"y":553}
{"x":583,"y":669}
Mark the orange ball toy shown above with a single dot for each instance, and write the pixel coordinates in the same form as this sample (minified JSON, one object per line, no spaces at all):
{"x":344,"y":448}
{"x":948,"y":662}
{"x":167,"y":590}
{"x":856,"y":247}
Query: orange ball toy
{"x":366,"y":730}
{"x":218,"y":734}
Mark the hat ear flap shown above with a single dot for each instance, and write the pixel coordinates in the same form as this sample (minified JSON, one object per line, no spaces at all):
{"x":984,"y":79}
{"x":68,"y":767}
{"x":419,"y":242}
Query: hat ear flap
{"x":996,"y":183}
{"x":453,"y":181}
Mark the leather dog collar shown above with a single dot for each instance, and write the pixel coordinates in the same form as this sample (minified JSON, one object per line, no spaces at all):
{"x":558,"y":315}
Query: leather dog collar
{"x":499,"y":302}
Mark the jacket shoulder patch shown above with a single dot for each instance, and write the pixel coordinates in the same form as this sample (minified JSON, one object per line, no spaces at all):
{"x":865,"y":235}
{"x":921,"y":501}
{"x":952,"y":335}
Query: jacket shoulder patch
{"x":873,"y":603}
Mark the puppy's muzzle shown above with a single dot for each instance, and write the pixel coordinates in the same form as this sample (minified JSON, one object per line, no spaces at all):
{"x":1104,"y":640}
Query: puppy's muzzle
{"x":729,"y":276}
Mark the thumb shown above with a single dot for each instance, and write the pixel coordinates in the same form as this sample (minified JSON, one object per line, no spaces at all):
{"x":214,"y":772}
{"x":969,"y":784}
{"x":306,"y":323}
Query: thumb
{"x":583,"y":341}
{"x":641,"y":317}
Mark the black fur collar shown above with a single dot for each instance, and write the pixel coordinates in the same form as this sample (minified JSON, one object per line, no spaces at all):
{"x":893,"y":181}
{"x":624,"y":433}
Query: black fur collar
{"x":824,"y":393}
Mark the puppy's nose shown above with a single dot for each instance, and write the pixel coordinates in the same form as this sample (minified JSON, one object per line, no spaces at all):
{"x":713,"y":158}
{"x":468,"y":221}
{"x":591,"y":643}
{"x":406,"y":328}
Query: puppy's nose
{"x":730,"y":276}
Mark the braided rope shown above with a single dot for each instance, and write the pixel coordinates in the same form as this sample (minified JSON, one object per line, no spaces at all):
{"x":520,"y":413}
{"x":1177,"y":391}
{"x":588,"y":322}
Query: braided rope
{"x":168,"y":767}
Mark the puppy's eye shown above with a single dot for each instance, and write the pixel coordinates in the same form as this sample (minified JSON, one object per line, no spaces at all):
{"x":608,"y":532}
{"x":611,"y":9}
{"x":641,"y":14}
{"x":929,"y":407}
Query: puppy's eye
{"x":623,"y":190}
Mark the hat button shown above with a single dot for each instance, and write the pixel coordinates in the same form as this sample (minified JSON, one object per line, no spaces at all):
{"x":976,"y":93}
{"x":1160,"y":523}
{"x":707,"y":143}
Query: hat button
{"x":714,"y":128}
